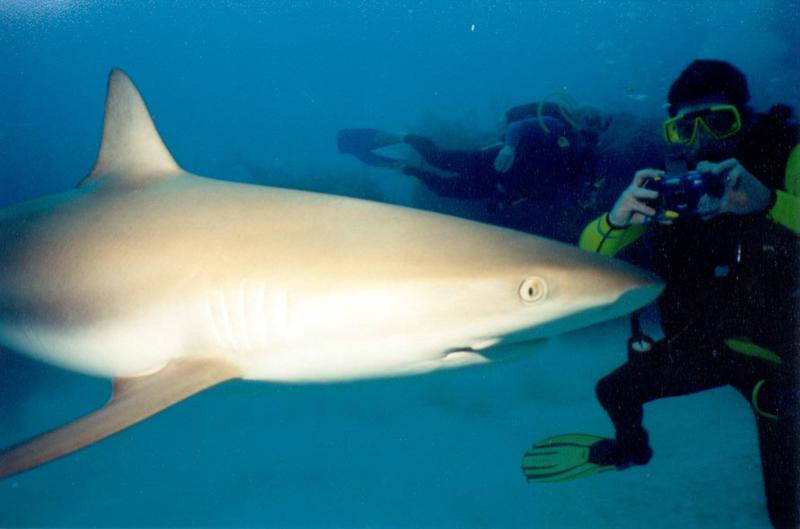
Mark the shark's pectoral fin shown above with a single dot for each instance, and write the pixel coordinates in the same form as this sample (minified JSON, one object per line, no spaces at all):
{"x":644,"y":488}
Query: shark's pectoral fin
{"x":132,"y":400}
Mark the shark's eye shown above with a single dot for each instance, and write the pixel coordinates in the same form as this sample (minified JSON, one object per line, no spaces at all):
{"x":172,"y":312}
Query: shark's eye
{"x":533,"y":290}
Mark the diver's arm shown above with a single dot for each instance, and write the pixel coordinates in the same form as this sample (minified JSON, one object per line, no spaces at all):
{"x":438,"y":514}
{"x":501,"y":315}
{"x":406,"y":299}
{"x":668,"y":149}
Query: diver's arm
{"x":745,"y":194}
{"x":533,"y":130}
{"x":601,"y":237}
{"x":514,"y":133}
{"x":621,"y":226}
{"x":505,"y":158}
{"x":517,"y":130}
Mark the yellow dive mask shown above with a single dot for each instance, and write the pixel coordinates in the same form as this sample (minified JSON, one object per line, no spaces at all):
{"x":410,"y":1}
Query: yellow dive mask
{"x":719,"y":121}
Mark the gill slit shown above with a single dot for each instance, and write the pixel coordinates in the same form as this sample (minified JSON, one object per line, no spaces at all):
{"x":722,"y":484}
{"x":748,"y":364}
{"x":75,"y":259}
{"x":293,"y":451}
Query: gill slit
{"x":227,"y":325}
{"x":244,"y":323}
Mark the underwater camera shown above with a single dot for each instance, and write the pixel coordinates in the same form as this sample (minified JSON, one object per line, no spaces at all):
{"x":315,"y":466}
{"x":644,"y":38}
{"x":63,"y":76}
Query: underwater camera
{"x":685,"y":193}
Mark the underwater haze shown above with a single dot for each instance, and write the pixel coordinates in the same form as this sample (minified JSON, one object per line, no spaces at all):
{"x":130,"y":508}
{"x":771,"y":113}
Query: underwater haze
{"x":256,"y":91}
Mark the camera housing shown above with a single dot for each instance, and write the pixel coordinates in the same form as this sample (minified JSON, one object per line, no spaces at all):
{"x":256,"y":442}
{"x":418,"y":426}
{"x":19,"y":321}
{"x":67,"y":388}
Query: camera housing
{"x":680,"y":195}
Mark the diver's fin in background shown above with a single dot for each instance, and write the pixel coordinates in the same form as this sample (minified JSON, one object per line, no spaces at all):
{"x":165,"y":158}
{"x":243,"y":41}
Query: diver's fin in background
{"x":131,"y":146}
{"x":357,"y":141}
{"x":132,"y":400}
{"x":361,"y":142}
{"x":561,"y":458}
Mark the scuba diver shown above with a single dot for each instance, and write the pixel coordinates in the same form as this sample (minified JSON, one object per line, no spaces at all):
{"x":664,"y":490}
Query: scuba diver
{"x":548,"y":150}
{"x":725,"y":239}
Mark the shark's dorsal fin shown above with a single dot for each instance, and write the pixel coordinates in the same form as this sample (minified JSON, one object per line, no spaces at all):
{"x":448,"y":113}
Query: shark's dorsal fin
{"x":131,"y":147}
{"x":132,"y":400}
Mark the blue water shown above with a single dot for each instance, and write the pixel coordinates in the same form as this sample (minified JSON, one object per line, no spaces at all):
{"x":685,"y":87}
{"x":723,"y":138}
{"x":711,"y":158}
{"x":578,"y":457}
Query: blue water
{"x":270,"y":84}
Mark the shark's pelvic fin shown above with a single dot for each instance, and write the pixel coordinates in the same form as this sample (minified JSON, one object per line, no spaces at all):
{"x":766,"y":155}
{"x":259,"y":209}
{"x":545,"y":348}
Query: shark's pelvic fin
{"x":132,"y":400}
{"x":131,"y":146}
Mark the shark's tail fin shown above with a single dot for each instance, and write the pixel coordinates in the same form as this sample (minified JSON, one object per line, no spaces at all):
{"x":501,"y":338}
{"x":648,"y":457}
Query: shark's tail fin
{"x":133,"y":400}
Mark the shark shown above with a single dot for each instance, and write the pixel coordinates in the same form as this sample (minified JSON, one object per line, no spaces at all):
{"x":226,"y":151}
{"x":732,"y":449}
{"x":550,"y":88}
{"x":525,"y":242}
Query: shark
{"x":169,"y":283}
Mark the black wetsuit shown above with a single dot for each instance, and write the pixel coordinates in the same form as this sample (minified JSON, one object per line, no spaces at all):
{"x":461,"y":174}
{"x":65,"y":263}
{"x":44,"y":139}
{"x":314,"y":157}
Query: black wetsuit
{"x":730,"y":277}
{"x":545,"y":162}
{"x":542,"y":191}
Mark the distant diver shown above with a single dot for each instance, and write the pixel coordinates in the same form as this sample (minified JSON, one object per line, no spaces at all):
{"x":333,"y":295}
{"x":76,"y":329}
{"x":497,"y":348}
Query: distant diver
{"x":725,"y":238}
{"x":548,"y":147}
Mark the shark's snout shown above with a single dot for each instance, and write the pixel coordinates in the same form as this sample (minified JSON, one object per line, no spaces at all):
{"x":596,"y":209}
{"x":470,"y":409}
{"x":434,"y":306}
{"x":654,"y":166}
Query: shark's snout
{"x":622,"y":282}
{"x":624,"y":289}
{"x":637,"y":297}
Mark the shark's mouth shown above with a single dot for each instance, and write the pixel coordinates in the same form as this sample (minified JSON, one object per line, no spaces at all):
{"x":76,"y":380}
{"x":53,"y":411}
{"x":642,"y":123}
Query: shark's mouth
{"x":486,"y":343}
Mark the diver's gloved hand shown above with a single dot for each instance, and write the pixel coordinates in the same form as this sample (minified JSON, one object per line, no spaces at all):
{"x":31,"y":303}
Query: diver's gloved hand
{"x":505,"y":158}
{"x":744,"y":193}
{"x":630,"y":207}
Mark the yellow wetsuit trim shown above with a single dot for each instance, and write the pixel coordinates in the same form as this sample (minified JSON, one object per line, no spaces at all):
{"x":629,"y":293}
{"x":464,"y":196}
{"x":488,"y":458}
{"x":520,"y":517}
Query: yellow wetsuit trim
{"x":786,"y":210}
{"x":792,"y":179}
{"x":748,"y":348}
{"x":754,"y":402}
{"x":600,"y":237}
